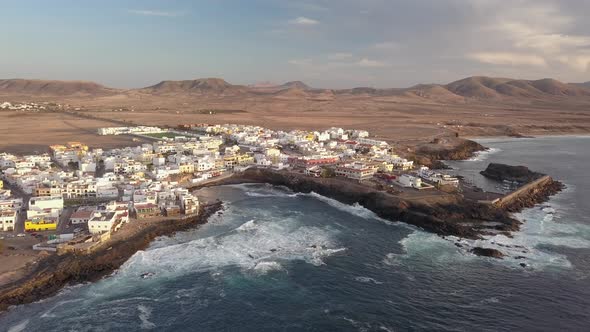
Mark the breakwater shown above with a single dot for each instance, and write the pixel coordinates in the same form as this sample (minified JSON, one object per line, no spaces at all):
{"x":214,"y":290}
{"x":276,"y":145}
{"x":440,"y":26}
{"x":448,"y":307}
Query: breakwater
{"x":529,"y":194}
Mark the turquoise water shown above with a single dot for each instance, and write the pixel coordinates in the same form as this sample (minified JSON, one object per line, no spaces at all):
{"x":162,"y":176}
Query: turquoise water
{"x":276,"y":260}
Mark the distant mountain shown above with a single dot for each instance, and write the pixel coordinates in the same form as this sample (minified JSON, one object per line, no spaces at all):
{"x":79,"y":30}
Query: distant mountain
{"x":295,"y":84}
{"x":488,"y":87}
{"x":201,"y":85}
{"x":53,"y":88}
{"x":476,"y":87}
{"x":584,"y":85}
{"x":433,"y":91}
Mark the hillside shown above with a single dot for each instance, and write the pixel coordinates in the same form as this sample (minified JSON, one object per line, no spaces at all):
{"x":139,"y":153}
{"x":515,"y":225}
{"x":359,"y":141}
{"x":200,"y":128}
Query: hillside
{"x":482,"y":88}
{"x":53,"y":88}
{"x":585,"y":84}
{"x":493,"y":88}
{"x":295,"y":84}
{"x":202,"y":85}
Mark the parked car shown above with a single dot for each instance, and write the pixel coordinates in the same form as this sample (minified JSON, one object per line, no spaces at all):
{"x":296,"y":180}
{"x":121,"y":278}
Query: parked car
{"x":21,"y":235}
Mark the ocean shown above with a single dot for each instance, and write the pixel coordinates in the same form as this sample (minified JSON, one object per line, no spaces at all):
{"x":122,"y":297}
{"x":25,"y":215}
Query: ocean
{"x":281,"y":261}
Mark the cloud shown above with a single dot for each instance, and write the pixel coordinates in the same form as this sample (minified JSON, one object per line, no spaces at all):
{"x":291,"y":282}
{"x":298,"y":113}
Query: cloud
{"x":307,"y":6}
{"x":538,"y":38}
{"x":303,"y":21}
{"x":300,"y":62}
{"x":579,"y":62}
{"x":365,"y":62}
{"x":340,"y":56}
{"x":144,"y":12}
{"x":508,"y":58}
{"x":387,"y":46}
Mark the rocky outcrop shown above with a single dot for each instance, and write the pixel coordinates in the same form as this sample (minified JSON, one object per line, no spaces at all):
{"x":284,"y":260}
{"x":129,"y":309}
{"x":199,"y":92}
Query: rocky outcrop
{"x":447,"y":148}
{"x":443,"y":214}
{"x":502,"y":172}
{"x":55,"y":272}
{"x":488,"y":252}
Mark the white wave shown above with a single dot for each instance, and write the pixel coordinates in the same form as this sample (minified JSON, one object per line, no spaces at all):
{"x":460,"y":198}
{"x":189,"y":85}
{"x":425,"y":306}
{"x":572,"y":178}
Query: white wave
{"x":264,"y":190}
{"x":49,"y":313}
{"x":483,"y":155}
{"x":253,"y":245}
{"x":249,"y":225}
{"x":21,"y":326}
{"x":276,"y":194}
{"x":266,"y":267}
{"x":144,"y":315}
{"x":530,"y":246}
{"x":355,"y":209}
{"x":368,"y":280}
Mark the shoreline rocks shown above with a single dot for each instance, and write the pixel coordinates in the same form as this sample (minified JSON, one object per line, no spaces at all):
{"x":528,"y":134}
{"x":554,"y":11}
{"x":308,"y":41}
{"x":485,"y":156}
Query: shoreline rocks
{"x":433,"y":153}
{"x":443,"y":215}
{"x":55,"y":272}
{"x":503,"y":172}
{"x":487,"y":252}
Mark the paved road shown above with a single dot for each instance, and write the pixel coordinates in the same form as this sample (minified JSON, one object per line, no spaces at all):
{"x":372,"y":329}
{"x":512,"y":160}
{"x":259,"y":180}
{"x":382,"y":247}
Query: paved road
{"x":64,"y":221}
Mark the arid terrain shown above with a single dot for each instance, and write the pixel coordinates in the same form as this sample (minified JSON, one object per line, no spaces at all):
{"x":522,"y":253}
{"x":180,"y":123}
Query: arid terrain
{"x":475,"y":106}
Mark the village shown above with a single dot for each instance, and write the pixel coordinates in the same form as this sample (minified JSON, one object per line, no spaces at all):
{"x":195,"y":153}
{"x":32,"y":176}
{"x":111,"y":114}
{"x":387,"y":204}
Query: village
{"x":74,"y":197}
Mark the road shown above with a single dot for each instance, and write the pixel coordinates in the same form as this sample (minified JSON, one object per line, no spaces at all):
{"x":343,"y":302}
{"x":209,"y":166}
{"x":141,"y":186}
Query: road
{"x":64,"y":221}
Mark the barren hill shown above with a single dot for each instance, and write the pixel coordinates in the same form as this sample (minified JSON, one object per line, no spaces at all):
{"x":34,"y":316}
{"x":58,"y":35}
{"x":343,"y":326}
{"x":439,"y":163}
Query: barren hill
{"x":53,"y":88}
{"x":583,"y":85}
{"x":476,"y":88}
{"x":489,"y":88}
{"x":295,"y":84}
{"x":201,"y":85}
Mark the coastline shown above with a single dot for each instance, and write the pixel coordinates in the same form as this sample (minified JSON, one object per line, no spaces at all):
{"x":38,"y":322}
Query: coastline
{"x":446,"y":215}
{"x":547,"y":135}
{"x":55,"y":272}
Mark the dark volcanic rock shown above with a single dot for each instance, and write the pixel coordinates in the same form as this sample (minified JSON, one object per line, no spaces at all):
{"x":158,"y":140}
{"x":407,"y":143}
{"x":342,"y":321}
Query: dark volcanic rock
{"x":488,"y":252}
{"x":443,"y":215}
{"x":501,"y":172}
{"x":539,"y":194}
{"x":450,"y":148}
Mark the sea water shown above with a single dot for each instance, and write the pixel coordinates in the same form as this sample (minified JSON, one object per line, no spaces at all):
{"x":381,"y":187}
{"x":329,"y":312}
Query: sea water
{"x":278,"y":260}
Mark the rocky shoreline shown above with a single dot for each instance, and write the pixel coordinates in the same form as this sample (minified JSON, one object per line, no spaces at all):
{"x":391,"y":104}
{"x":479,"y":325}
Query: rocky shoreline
{"x":445,"y":216}
{"x":535,"y":187}
{"x":433,"y":154}
{"x":55,"y":272}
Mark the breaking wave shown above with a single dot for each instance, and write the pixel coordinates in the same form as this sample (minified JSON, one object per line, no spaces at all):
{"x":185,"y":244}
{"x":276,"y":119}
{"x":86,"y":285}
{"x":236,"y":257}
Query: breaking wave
{"x":258,"y":244}
{"x":19,"y":327}
{"x":483,"y":155}
{"x":534,"y":245}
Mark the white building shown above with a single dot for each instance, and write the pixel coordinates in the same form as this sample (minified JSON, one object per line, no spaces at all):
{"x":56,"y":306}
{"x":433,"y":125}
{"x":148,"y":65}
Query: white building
{"x":38,"y":206}
{"x":356,"y":171}
{"x":410,"y":181}
{"x":81,"y":216}
{"x":101,"y":222}
{"x":7,"y":220}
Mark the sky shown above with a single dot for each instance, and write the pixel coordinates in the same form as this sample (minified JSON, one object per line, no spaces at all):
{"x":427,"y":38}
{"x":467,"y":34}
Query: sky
{"x":325,"y":43}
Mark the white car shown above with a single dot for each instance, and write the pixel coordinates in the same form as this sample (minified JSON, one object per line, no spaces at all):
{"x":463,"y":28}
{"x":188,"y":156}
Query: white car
{"x":21,"y":235}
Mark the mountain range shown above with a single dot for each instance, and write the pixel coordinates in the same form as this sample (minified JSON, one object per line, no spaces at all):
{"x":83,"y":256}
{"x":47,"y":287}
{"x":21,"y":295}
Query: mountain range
{"x":476,"y":87}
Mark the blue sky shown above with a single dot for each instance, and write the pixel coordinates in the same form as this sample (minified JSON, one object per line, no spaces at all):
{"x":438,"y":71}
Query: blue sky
{"x":326,"y":43}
